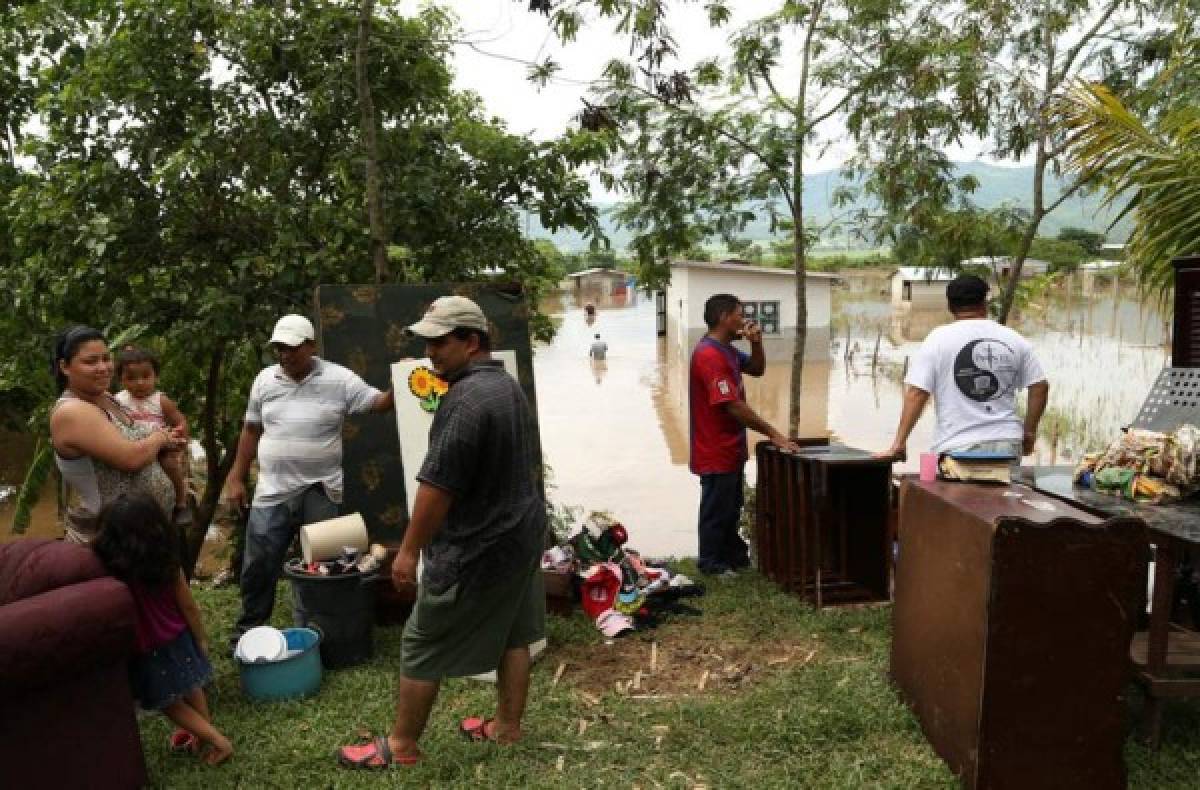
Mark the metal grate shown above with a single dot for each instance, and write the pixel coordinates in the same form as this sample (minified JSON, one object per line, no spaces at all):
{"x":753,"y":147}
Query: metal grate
{"x":1174,"y":400}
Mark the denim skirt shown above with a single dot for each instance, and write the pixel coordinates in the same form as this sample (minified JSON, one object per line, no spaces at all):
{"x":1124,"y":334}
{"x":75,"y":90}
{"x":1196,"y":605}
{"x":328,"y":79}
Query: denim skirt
{"x":168,"y":672}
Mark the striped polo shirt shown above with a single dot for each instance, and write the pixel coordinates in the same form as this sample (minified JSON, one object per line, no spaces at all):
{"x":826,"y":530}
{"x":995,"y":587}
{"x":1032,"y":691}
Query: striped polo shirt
{"x":301,"y":443}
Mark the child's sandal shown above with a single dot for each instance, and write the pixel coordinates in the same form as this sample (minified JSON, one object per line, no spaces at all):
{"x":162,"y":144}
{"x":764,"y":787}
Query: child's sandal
{"x":183,"y":742}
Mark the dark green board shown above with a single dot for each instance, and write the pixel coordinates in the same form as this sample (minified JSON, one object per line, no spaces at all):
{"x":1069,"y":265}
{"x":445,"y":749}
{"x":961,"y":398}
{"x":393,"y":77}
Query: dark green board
{"x":361,"y":327}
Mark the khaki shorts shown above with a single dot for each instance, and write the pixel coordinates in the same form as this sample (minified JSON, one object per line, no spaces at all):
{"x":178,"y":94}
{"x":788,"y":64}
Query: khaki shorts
{"x":465,"y":632}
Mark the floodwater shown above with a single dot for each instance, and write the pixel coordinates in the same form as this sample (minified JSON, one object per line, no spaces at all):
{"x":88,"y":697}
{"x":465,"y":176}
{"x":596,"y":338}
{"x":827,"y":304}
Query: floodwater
{"x":615,"y":433}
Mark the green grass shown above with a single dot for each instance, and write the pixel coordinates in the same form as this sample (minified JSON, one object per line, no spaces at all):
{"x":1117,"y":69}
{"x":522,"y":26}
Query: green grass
{"x":833,"y":723}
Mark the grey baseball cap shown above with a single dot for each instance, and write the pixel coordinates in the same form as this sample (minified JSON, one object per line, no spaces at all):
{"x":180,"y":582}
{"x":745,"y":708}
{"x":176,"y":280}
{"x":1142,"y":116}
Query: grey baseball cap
{"x":448,"y":313}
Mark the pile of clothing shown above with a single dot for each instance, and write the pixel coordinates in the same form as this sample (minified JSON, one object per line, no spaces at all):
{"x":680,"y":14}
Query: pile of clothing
{"x":619,"y":591}
{"x":1145,"y":466}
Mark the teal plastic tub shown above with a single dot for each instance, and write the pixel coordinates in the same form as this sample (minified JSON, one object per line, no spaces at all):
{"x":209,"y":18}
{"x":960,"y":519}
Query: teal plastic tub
{"x":296,"y":676}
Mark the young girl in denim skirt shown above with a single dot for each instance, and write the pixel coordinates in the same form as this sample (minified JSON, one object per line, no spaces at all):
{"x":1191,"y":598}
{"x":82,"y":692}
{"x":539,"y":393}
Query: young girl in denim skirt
{"x":140,"y":548}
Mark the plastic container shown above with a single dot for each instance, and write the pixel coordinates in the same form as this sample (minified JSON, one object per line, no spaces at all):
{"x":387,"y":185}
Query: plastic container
{"x":929,"y":467}
{"x":297,"y":675}
{"x":342,"y":607}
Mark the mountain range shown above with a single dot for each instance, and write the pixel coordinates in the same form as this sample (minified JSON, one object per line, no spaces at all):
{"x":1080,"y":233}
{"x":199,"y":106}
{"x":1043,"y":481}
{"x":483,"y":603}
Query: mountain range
{"x":998,"y":186}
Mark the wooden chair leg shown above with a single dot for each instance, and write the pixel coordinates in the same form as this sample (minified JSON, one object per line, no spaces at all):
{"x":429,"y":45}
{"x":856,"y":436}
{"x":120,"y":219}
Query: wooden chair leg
{"x":1152,"y":715}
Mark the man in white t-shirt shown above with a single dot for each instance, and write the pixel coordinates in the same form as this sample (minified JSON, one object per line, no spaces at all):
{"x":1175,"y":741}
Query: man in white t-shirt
{"x":973,"y":368}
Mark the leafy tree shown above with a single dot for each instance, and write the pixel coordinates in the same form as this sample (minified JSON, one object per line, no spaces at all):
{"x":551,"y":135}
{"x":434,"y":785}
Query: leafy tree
{"x":1089,"y":241}
{"x":746,"y":249}
{"x":1043,"y":48}
{"x":1146,"y":147}
{"x":1061,"y":255}
{"x":601,"y":259}
{"x":555,"y":260}
{"x":957,"y":234}
{"x":200,"y":172}
{"x":705,"y":149}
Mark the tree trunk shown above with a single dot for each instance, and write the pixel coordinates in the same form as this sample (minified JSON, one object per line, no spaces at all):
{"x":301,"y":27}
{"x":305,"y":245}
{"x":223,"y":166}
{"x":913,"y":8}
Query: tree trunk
{"x":799,"y":253}
{"x":370,"y":133}
{"x":216,"y":466}
{"x":1039,"y":180}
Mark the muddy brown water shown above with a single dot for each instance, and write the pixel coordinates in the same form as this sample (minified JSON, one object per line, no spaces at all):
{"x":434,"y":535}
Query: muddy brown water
{"x":615,"y":433}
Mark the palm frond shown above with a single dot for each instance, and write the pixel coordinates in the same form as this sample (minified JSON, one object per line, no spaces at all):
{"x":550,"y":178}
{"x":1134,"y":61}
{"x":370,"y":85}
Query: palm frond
{"x":31,"y":488}
{"x":1157,"y":169}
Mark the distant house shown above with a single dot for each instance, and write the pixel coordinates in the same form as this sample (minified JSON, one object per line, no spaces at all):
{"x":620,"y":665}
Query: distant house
{"x":768,"y":296}
{"x":1100,"y":266}
{"x":920,"y":286}
{"x":602,"y":282}
{"x":1001,"y":265}
{"x":1088,"y":272}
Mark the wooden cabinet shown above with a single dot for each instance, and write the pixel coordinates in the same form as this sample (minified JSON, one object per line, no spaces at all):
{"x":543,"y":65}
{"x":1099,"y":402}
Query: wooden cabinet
{"x":821,"y":522}
{"x":1011,"y":631}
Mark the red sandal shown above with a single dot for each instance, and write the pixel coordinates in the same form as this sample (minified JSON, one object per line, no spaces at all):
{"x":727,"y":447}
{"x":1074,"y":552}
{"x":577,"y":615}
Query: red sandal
{"x":183,"y":742}
{"x":374,"y":755}
{"x":473,"y":728}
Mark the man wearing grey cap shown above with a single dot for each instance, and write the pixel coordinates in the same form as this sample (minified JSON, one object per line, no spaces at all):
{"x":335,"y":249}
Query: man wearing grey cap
{"x":479,"y":518}
{"x":293,"y":425}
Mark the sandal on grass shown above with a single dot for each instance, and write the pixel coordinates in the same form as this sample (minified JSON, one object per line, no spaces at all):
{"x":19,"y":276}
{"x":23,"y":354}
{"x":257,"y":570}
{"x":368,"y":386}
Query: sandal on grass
{"x":183,"y":742}
{"x":376,"y":754}
{"x":473,"y":728}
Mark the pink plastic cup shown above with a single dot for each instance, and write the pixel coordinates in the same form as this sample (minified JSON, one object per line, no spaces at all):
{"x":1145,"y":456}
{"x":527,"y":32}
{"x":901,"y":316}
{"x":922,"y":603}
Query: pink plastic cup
{"x":929,"y":462}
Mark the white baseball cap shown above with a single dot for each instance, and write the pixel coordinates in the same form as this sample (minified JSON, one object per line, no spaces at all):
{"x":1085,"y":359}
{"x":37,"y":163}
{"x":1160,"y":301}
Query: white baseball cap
{"x":292,"y":330}
{"x":448,"y":313}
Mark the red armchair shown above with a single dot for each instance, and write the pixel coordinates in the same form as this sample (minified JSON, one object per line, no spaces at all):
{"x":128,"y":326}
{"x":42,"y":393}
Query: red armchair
{"x":66,"y":633}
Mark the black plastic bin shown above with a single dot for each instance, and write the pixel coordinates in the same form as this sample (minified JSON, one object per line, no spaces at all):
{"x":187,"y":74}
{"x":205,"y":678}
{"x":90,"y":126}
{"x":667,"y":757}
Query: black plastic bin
{"x":342,"y":608}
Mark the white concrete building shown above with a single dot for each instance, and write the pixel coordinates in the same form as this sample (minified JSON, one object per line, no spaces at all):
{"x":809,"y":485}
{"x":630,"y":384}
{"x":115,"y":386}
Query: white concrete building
{"x":920,"y":286}
{"x":768,"y":296}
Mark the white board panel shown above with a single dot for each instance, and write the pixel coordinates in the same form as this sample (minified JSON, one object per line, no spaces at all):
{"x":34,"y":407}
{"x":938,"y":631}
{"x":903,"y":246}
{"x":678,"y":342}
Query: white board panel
{"x":413,"y":421}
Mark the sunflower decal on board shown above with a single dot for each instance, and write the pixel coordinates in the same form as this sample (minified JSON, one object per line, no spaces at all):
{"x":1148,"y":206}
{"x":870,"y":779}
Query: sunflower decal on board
{"x":427,"y":387}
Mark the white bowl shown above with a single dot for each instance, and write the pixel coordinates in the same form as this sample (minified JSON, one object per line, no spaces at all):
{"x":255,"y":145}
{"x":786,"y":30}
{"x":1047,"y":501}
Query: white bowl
{"x":263,"y":643}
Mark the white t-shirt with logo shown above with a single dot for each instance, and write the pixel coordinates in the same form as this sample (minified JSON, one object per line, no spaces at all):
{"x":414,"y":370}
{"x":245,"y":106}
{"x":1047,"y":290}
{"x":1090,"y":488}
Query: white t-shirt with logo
{"x":973,"y":368}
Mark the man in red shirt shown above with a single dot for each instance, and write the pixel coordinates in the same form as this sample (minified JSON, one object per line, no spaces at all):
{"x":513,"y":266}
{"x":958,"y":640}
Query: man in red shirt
{"x":719,"y":419}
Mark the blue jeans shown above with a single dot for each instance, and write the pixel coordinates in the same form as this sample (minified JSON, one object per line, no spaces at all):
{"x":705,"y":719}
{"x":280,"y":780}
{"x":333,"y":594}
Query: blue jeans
{"x":721,"y":547}
{"x":269,"y":532}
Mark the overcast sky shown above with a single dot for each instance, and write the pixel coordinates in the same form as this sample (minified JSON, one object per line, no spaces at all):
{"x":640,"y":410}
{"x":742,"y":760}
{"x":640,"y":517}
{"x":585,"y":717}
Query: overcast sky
{"x":506,"y":29}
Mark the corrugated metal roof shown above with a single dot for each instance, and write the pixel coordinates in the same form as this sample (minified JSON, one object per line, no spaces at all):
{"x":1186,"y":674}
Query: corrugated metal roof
{"x":928,"y":274}
{"x":740,"y":268}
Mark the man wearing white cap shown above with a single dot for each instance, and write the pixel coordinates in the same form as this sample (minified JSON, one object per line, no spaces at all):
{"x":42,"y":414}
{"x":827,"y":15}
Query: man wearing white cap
{"x":293,"y":425}
{"x":479,"y":518}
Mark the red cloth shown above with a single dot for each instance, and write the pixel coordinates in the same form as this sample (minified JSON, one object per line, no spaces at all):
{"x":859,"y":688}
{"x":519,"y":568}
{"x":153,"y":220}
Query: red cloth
{"x":715,"y":379}
{"x":158,"y":617}
{"x":600,"y":588}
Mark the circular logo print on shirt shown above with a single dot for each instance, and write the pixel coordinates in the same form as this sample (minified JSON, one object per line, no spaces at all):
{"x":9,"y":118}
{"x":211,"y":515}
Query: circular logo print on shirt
{"x":985,"y":369}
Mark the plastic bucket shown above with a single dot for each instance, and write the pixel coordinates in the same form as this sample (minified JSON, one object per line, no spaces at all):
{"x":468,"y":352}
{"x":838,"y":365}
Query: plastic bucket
{"x":288,"y":678}
{"x":343,"y":608}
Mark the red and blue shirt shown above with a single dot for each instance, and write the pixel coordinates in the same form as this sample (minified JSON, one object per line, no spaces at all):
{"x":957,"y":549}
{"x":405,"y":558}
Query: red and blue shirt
{"x":715,"y":379}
